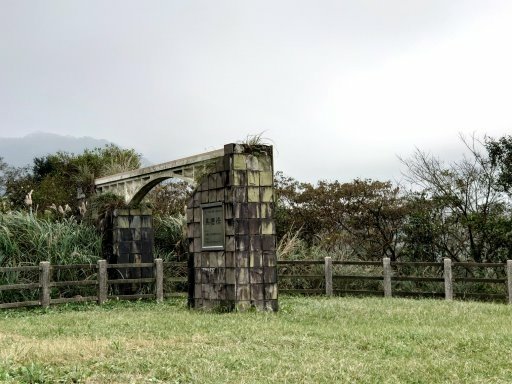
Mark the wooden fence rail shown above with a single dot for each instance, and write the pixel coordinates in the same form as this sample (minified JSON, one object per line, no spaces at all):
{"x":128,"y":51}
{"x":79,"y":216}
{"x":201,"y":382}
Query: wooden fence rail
{"x":385,"y":274}
{"x":98,"y":280}
{"x":389,"y":275}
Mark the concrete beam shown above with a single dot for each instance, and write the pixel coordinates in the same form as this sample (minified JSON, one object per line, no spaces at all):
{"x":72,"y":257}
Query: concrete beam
{"x":134,"y":185}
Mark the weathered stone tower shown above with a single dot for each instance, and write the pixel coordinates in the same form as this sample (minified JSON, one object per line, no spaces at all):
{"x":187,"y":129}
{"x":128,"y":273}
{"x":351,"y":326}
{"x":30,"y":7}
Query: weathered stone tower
{"x":232,"y":232}
{"x":132,"y":234}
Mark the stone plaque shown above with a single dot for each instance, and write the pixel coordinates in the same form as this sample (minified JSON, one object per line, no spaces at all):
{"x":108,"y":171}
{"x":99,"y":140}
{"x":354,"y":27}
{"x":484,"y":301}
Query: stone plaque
{"x":212,"y":226}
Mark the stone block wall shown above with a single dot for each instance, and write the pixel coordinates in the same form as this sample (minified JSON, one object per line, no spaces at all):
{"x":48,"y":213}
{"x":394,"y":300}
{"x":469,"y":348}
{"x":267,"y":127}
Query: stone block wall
{"x":133,"y":241}
{"x":242,"y":272}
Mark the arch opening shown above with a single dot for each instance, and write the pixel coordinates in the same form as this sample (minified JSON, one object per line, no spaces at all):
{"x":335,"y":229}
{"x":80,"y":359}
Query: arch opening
{"x":146,"y":188}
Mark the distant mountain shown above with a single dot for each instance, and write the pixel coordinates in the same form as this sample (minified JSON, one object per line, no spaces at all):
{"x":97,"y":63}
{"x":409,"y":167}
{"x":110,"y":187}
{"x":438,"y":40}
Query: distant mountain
{"x":20,"y":151}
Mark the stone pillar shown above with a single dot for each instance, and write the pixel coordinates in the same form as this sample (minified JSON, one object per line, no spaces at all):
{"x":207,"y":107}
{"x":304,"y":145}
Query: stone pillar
{"x":232,"y":233}
{"x":132,"y":242}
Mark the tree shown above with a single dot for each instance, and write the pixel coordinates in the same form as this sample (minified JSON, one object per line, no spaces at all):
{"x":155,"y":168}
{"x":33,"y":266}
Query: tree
{"x":61,"y":178}
{"x":169,"y":198}
{"x":4,"y":203}
{"x":500,"y":155}
{"x":471,"y":214}
{"x":18,"y":182}
{"x":3,"y":169}
{"x":362,"y":218}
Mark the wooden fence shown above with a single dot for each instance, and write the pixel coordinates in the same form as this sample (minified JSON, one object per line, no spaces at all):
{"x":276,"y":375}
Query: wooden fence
{"x":387,"y":274}
{"x":325,"y":277}
{"x":101,"y":286}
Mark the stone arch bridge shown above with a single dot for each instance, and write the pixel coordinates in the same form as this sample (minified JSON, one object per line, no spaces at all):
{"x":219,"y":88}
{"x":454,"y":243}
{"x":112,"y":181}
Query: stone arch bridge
{"x":134,"y":185}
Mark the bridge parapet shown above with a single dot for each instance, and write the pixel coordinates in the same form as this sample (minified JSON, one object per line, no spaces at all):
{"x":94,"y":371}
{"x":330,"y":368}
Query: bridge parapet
{"x":134,"y":185}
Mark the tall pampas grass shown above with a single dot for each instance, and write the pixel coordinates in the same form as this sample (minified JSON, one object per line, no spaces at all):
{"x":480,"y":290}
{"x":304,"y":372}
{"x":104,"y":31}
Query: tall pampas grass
{"x":170,"y":237}
{"x":27,"y":240}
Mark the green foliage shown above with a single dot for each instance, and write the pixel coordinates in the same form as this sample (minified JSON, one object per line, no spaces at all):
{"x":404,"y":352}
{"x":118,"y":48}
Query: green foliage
{"x":468,"y":212}
{"x":99,"y":215}
{"x":101,"y":207}
{"x":59,"y":179}
{"x":3,"y":169}
{"x":456,"y":210}
{"x":206,"y":168}
{"x":169,"y":198}
{"x":360,"y":219}
{"x":114,"y":159}
{"x":500,"y":154}
{"x":170,"y":237}
{"x":422,"y":230}
{"x":27,"y":240}
{"x":254,"y":140}
{"x":255,"y":144}
{"x":17,"y":182}
{"x":168,"y":201}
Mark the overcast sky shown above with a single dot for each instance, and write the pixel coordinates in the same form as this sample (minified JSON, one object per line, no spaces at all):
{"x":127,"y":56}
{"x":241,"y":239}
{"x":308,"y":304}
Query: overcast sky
{"x":340,"y":87}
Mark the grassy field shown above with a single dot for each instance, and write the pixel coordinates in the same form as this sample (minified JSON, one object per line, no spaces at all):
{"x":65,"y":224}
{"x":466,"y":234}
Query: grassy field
{"x":311,"y":340}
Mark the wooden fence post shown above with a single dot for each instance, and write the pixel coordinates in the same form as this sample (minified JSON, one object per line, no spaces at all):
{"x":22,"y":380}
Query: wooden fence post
{"x":159,"y":280}
{"x":102,"y":281}
{"x":44,"y":281}
{"x":386,"y":265}
{"x":509,"y":280}
{"x":328,"y":276}
{"x":448,"y":279}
